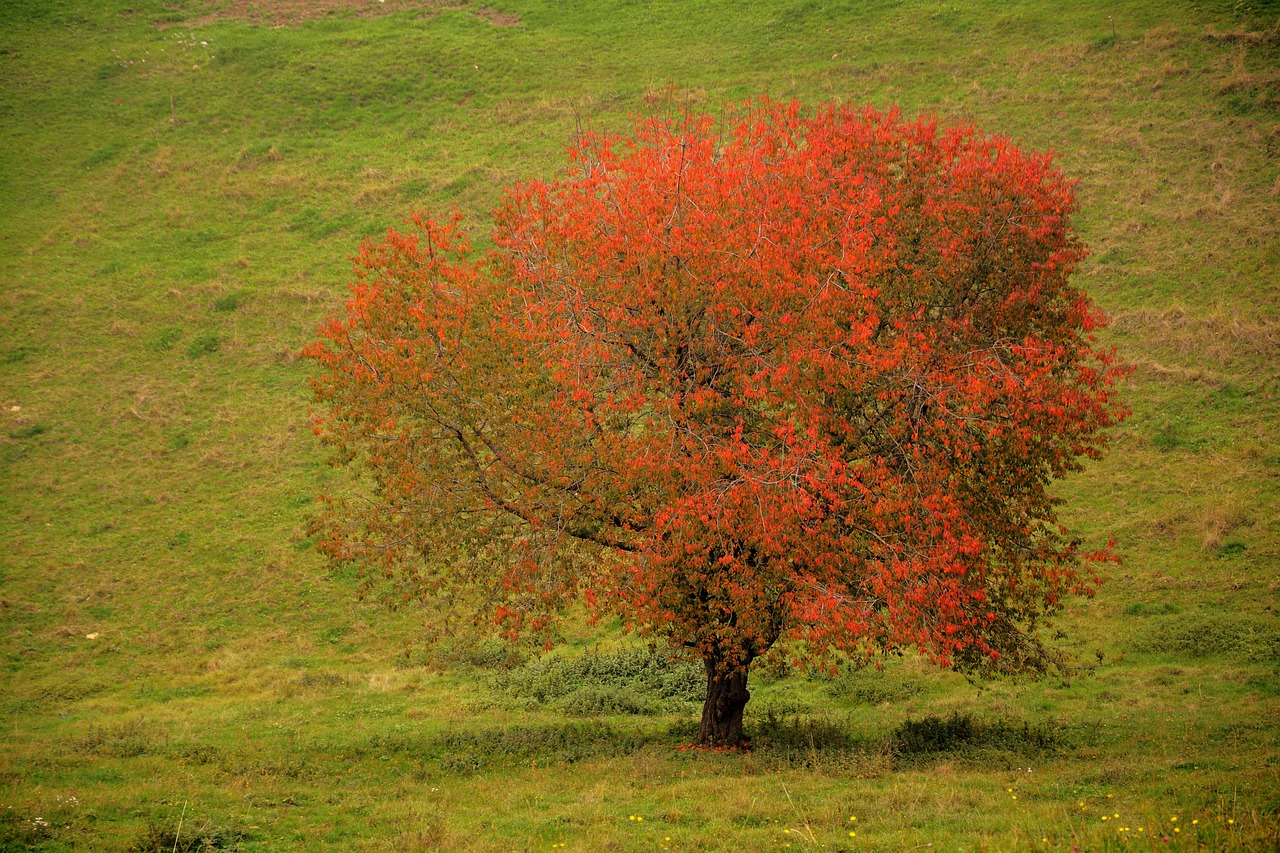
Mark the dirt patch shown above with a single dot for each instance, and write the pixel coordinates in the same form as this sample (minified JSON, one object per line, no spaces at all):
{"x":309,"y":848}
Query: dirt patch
{"x":292,"y":13}
{"x":493,"y":16}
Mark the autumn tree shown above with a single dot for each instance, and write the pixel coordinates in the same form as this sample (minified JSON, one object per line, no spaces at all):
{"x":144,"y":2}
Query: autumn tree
{"x":794,"y":375}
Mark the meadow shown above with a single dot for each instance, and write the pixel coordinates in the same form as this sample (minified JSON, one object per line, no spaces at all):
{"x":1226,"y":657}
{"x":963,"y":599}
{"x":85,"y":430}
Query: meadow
{"x":181,"y":185}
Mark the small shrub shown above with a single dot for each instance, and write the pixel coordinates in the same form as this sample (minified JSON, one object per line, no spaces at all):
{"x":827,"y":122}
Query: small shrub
{"x":874,"y":687}
{"x":786,"y":741}
{"x":773,"y":667}
{"x":933,"y":734}
{"x":961,"y":733}
{"x":187,"y":836}
{"x":783,"y":733}
{"x":597,"y":701}
{"x":651,"y":679}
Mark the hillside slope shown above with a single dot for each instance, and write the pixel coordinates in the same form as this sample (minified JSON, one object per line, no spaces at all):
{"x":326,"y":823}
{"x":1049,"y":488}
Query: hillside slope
{"x":180,"y":187}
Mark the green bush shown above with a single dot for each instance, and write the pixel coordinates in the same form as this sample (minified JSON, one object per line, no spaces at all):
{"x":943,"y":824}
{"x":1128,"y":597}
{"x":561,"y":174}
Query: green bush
{"x":934,"y":734}
{"x":599,"y":700}
{"x":874,"y":687}
{"x":635,"y":677}
{"x":961,"y":733}
{"x":786,"y":733}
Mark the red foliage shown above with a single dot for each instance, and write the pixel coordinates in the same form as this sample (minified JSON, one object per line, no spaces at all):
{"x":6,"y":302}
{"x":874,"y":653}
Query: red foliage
{"x":800,"y":375}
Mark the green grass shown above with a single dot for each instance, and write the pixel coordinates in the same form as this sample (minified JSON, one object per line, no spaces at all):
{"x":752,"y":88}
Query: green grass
{"x":180,"y":669}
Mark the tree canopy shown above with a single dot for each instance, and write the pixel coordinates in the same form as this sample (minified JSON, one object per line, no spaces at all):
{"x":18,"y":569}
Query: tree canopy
{"x":801,"y":375}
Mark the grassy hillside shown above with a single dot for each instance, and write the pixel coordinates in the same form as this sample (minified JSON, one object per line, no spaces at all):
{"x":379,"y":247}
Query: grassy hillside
{"x":181,"y":183}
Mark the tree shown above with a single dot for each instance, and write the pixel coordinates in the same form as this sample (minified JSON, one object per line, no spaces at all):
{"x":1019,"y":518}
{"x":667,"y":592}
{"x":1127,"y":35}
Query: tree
{"x":802,"y":376}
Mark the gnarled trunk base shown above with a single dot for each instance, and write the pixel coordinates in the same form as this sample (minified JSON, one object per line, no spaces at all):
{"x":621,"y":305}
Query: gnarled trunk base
{"x":727,"y":696}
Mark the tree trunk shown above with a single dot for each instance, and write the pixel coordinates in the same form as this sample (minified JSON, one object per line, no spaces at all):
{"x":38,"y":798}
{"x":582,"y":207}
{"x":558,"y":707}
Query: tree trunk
{"x":727,"y":696}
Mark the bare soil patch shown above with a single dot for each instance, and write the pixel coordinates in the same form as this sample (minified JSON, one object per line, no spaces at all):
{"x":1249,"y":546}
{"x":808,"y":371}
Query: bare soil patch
{"x":493,"y":16}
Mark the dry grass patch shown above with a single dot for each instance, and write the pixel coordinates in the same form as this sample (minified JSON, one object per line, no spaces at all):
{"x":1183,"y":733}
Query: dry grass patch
{"x":1218,"y":522}
{"x":293,"y":13}
{"x":1220,"y":337}
{"x":1240,"y":35}
{"x":1160,"y":37}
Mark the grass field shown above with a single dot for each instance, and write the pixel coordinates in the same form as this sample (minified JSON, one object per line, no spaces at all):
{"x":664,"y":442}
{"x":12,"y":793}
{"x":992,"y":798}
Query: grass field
{"x":181,"y":183}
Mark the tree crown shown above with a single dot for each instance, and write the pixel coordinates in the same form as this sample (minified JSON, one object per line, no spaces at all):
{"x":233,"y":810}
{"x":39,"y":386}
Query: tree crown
{"x":802,"y":375}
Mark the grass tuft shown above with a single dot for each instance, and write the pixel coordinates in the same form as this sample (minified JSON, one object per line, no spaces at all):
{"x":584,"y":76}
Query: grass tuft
{"x":230,"y":301}
{"x":204,"y":344}
{"x":466,"y":751}
{"x":29,"y":431}
{"x":124,"y":740}
{"x":188,"y":835}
